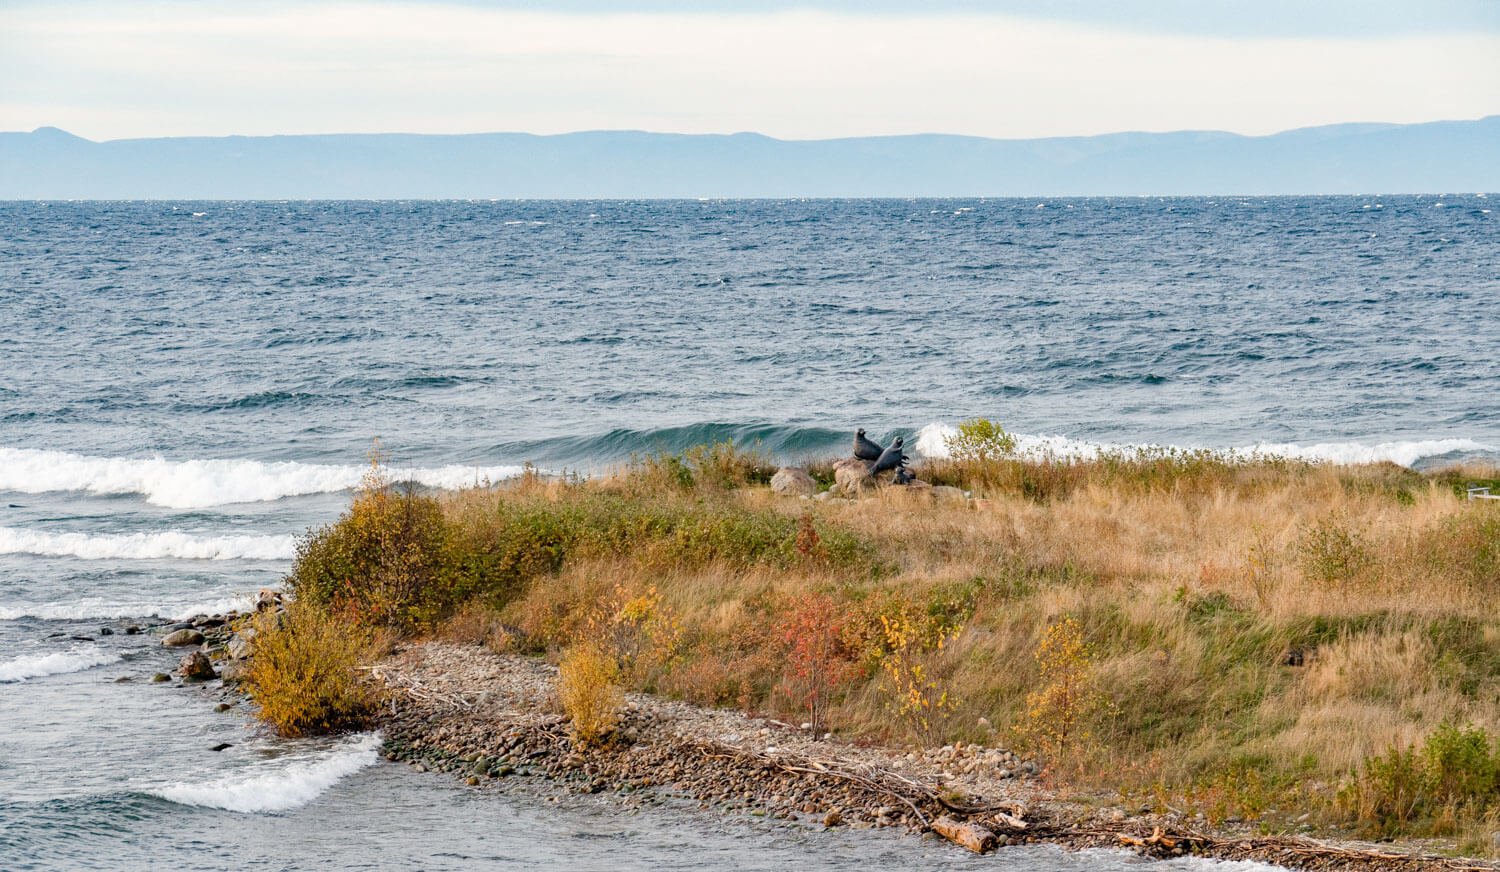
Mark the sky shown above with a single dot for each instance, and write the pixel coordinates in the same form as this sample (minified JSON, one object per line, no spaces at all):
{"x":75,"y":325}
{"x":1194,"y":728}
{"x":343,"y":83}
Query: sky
{"x":794,"y":70}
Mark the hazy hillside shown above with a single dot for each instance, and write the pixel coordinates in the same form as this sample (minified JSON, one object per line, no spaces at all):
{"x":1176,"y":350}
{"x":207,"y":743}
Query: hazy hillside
{"x":1447,"y":156}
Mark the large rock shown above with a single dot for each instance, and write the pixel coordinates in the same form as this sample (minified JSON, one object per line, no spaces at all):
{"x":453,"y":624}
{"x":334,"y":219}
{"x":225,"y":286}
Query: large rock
{"x":947,"y":494}
{"x":185,"y":636}
{"x":195,"y":666}
{"x":789,"y":481}
{"x":852,"y":477}
{"x":241,"y":643}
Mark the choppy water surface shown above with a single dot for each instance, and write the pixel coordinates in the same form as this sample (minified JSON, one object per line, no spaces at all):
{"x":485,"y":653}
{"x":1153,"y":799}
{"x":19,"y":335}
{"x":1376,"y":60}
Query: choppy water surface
{"x":185,"y":388}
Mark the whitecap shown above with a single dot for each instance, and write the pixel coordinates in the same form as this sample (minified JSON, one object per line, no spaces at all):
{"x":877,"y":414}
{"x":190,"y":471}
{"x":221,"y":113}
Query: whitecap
{"x":169,"y":544}
{"x":193,"y":484}
{"x":57,"y":663}
{"x":281,"y":785}
{"x":931,"y":441}
{"x":101,"y":609}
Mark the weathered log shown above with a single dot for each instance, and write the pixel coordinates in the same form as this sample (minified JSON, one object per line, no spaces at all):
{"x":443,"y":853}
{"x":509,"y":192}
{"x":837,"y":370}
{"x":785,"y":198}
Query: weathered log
{"x":972,"y":836}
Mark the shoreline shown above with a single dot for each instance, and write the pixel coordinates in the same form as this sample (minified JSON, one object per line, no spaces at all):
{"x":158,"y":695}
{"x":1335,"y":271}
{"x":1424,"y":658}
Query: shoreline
{"x":480,"y":716}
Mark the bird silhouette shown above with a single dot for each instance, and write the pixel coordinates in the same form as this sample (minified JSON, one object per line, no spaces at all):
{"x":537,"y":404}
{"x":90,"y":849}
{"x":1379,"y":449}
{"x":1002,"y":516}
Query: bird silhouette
{"x":891,"y":458}
{"x":864,"y":449}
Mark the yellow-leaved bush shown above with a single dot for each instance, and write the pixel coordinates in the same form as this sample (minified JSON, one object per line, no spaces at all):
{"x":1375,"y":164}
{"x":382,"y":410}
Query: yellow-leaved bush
{"x":305,"y":675}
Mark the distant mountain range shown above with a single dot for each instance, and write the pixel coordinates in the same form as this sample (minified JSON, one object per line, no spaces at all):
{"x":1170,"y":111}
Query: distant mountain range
{"x":1439,"y":157}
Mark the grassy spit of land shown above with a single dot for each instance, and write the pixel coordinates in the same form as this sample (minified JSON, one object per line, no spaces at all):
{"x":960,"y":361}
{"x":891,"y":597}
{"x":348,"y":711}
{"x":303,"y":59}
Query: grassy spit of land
{"x":1277,"y":645}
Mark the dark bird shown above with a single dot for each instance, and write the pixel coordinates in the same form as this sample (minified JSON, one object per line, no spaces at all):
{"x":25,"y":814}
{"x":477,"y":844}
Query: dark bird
{"x":891,"y":458}
{"x":864,"y":449}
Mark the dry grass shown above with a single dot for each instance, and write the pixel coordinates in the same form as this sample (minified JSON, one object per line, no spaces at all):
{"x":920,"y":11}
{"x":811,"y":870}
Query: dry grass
{"x":1194,"y":583}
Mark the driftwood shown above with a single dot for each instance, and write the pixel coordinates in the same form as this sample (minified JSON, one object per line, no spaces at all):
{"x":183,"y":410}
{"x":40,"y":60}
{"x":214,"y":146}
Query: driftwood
{"x":972,"y":836}
{"x":1289,"y":851}
{"x":419,"y":691}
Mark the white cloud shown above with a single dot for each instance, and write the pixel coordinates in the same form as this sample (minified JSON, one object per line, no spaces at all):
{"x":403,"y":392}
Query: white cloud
{"x":109,"y":71}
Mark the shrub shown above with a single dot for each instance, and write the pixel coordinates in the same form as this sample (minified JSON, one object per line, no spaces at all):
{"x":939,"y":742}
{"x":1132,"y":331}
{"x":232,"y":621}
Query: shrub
{"x":384,"y":563}
{"x":588,"y":688}
{"x":1454,"y":773}
{"x":1056,"y":712}
{"x":305,"y":674}
{"x":918,"y":700}
{"x":1332,"y":553}
{"x":817,"y":664}
{"x":979,"y":441}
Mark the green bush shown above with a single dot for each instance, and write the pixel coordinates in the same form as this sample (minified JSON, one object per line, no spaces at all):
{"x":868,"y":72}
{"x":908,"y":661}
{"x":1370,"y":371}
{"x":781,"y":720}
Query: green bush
{"x":1332,"y":553}
{"x":979,"y":441}
{"x":1423,"y":790}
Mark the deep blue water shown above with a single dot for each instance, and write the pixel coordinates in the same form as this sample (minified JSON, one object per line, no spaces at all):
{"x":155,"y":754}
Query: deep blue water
{"x":186,"y":387}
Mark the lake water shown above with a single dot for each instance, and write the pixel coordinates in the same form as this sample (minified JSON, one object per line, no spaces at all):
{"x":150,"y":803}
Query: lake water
{"x":185,"y":388}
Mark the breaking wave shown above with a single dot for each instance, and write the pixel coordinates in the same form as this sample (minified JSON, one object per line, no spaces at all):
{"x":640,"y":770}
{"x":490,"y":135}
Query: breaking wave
{"x":145,"y":546}
{"x":195,"y":484}
{"x":931,"y":442}
{"x":101,"y":609}
{"x":56,"y":663}
{"x":282,"y":786}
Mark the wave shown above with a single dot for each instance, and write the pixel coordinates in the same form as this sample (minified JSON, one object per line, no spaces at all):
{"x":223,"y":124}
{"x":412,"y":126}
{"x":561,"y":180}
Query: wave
{"x":196,"y":484}
{"x":778,"y":440}
{"x":98,"y":609}
{"x":56,"y":663}
{"x":931,"y":442}
{"x":265,"y":789}
{"x":146,"y":546}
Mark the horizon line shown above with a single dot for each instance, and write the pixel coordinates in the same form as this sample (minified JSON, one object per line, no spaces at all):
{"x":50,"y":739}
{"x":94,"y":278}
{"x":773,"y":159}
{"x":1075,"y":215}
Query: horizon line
{"x":753,"y":133}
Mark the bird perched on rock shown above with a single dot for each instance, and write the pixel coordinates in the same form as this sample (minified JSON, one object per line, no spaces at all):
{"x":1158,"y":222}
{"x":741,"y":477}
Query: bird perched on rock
{"x":891,"y":458}
{"x":864,"y":449}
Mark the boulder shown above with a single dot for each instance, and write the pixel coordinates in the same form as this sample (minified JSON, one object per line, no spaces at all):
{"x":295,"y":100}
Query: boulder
{"x":179,"y":638}
{"x":947,"y":494}
{"x":852,"y":476}
{"x":234,"y":670}
{"x":195,"y":666}
{"x":789,"y":481}
{"x":242,"y":643}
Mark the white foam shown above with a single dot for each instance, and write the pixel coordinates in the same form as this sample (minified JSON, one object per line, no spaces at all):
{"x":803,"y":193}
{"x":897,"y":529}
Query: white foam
{"x":100,"y":609}
{"x":931,"y":442}
{"x":282,"y":786}
{"x":194,"y":484}
{"x":57,"y":663}
{"x":146,"y":546}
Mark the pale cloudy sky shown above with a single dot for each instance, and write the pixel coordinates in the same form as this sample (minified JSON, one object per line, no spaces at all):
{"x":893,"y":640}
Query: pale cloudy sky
{"x":1008,"y":68}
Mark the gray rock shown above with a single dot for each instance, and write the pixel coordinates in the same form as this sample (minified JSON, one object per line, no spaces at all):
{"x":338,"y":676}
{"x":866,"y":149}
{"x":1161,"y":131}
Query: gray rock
{"x":184,"y":636}
{"x":195,"y":666}
{"x":789,"y":481}
{"x":106,"y":631}
{"x":234,"y":670}
{"x":946,"y":494}
{"x":853,"y":477}
{"x":132,"y":630}
{"x":242,"y":643}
